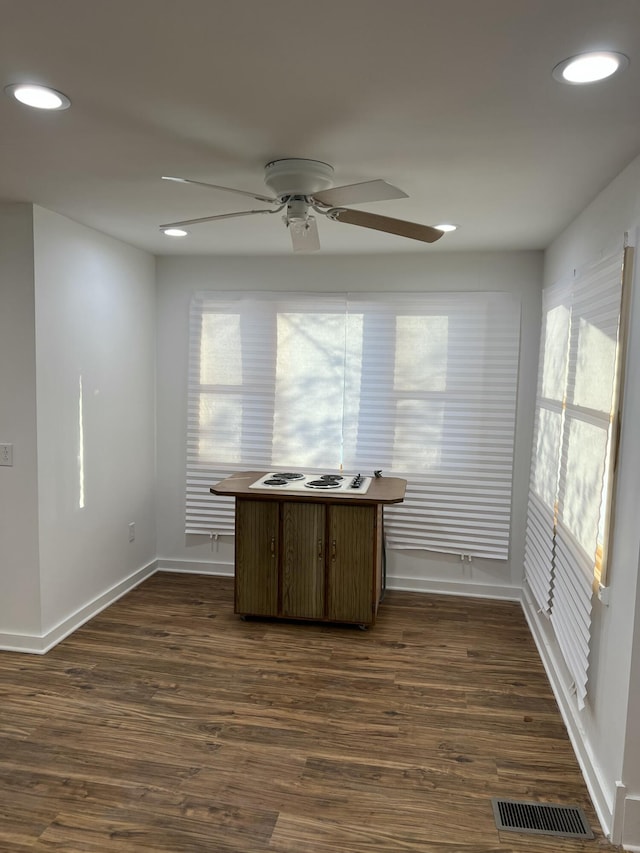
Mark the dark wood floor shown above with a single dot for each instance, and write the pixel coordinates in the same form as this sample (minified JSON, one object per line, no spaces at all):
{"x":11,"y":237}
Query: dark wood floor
{"x":168,"y":724}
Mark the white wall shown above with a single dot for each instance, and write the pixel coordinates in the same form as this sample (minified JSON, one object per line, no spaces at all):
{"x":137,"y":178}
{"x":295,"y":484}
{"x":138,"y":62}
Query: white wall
{"x":95,"y":340}
{"x":19,"y":560}
{"x":178,"y":277}
{"x":607,"y":733}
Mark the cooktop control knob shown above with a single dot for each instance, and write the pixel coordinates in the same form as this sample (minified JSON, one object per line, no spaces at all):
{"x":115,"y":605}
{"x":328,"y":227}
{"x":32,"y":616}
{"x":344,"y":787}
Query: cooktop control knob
{"x":356,"y":482}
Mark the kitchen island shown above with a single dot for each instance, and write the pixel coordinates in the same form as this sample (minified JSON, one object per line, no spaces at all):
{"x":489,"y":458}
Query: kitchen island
{"x":313,"y":555}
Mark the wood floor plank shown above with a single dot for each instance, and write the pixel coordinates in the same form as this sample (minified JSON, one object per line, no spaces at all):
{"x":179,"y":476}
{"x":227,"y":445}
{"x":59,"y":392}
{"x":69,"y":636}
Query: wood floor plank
{"x":167,"y":724}
{"x":195,"y":825}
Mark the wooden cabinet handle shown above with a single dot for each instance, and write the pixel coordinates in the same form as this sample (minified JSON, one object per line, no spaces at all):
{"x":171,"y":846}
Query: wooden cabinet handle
{"x":273,"y":546}
{"x":319,"y":549}
{"x":333,"y":549}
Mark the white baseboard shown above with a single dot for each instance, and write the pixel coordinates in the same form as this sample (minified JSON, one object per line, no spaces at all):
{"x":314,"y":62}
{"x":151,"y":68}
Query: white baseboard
{"x":465,"y":589}
{"x":30,"y":643}
{"x":196,"y":567}
{"x":560,"y":684}
{"x":226,"y":569}
{"x":42,"y":643}
{"x":631,"y":824}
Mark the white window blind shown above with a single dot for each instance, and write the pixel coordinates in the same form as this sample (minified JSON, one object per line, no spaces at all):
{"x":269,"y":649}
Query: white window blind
{"x":595,"y":318}
{"x":422,"y":386}
{"x":568,"y":481}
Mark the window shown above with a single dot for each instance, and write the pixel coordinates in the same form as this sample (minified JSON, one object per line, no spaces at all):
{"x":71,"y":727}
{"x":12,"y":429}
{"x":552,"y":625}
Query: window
{"x":422,"y":386}
{"x":571,"y":483}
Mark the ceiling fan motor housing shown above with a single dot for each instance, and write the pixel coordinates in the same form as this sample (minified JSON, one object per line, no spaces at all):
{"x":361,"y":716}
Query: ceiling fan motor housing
{"x":297,"y":177}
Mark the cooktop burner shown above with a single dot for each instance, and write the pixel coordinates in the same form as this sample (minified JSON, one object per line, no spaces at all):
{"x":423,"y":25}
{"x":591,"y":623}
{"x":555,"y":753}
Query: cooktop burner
{"x":323,"y":483}
{"x":339,"y":484}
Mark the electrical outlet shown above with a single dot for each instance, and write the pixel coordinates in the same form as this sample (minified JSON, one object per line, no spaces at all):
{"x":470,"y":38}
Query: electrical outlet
{"x":6,"y":455}
{"x":132,"y":532}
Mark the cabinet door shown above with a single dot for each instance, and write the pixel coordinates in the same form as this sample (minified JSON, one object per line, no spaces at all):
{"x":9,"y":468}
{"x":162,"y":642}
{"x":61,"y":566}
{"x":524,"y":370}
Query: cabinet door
{"x":256,"y":550}
{"x":352,"y":563}
{"x":303,"y":560}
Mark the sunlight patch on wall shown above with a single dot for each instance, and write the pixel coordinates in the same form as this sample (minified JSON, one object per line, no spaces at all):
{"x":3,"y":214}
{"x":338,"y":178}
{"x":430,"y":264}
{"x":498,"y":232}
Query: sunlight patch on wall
{"x":80,"y":446}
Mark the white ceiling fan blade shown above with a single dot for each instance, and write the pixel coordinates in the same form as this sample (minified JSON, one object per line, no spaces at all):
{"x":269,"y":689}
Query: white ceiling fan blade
{"x":304,"y":235}
{"x":257,"y":196}
{"x":212,"y":218}
{"x":412,"y":230}
{"x":358,"y":193}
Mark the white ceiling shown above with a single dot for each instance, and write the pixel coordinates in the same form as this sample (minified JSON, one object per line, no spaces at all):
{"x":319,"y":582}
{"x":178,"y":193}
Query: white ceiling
{"x":453,"y":101}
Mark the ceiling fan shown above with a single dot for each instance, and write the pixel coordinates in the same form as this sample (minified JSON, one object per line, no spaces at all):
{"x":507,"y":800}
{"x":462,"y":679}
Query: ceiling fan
{"x":300,"y":186}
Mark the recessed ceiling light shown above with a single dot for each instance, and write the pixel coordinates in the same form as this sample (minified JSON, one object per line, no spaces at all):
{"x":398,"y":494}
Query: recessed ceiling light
{"x":446,"y":226}
{"x":175,"y":232}
{"x":590,"y":67}
{"x":40,"y":97}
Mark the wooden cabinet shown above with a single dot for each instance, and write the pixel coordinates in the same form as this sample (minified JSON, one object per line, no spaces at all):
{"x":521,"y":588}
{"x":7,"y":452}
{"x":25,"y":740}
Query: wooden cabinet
{"x":305,"y":560}
{"x":317,"y":558}
{"x":256,"y":551}
{"x":354,"y":566}
{"x":302,"y":566}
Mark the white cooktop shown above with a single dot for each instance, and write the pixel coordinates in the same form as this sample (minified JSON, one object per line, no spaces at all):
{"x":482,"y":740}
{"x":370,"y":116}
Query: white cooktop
{"x":340,"y":485}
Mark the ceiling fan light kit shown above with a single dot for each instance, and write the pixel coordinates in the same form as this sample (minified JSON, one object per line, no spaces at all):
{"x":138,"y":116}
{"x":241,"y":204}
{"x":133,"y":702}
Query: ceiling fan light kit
{"x":301,"y":186}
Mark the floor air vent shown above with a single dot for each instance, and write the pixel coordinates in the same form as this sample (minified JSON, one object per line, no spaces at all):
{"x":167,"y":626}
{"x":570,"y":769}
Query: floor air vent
{"x":541,"y":818}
